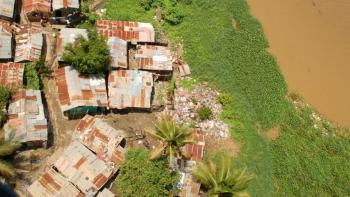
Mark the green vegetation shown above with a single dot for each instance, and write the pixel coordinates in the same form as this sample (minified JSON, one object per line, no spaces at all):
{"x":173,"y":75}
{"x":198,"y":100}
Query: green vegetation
{"x":204,"y":113}
{"x":5,"y":95}
{"x":140,"y":177}
{"x":171,"y":87}
{"x":173,"y":137}
{"x":225,"y":46}
{"x":172,"y":13}
{"x":34,"y":72}
{"x":88,"y":56}
{"x":221,"y":178}
{"x":224,"y":99}
{"x":6,"y":168}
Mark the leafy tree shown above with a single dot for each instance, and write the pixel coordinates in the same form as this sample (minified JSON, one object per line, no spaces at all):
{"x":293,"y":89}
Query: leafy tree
{"x":220,"y":177}
{"x":140,"y":177}
{"x":4,"y":97}
{"x":88,"y":56}
{"x":34,"y":72}
{"x":173,"y":137}
{"x":89,"y":17}
{"x":6,"y":149}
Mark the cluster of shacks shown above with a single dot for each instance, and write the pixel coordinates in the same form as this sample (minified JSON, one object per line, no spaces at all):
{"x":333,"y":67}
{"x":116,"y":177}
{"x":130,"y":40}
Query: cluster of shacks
{"x":130,"y":82}
{"x":20,"y":44}
{"x":86,"y":165}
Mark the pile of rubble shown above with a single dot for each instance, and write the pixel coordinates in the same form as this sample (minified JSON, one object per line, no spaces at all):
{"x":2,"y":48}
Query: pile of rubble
{"x":186,"y":104}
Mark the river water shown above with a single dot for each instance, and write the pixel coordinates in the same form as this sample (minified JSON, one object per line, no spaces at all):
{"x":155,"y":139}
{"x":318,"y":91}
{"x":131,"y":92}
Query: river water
{"x":311,"y":40}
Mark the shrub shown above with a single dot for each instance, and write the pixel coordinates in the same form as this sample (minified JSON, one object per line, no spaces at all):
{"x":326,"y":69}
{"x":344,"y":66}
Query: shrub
{"x":224,"y":99}
{"x":204,"y":113}
{"x":88,"y":56}
{"x":171,"y":87}
{"x":141,"y":177}
{"x":172,"y":13}
{"x":4,"y":97}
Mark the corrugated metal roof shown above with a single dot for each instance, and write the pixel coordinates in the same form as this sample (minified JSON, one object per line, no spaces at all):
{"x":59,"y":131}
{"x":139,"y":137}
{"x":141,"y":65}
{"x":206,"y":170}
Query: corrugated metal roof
{"x":196,"y":151}
{"x":5,"y":43}
{"x":150,"y":57}
{"x":29,"y":43}
{"x":27,"y":122}
{"x":11,"y":74}
{"x":83,"y":168}
{"x":130,"y":88}
{"x":53,"y":184}
{"x":59,"y":4}
{"x":43,"y":6}
{"x":101,"y":138}
{"x":7,"y":8}
{"x":75,"y":90}
{"x":68,"y":35}
{"x":119,"y":52}
{"x":105,"y":193}
{"x":126,"y":30}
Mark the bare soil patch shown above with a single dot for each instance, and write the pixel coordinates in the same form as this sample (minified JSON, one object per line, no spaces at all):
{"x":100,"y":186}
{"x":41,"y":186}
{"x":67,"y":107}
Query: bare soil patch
{"x":273,"y":134}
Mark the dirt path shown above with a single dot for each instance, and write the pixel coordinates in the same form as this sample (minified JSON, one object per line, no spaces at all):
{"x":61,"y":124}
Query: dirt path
{"x":311,"y":41}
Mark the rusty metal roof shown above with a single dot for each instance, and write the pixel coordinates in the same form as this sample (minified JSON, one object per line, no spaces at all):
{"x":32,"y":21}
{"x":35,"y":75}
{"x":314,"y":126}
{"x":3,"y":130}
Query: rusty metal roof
{"x":11,"y":74}
{"x":53,"y":184}
{"x":60,"y":4}
{"x":29,"y":43}
{"x":75,"y":90}
{"x":5,"y":43}
{"x":126,"y":30}
{"x":196,"y":151}
{"x":27,"y":122}
{"x":130,"y":89}
{"x":7,"y":8}
{"x":190,"y":188}
{"x":119,"y":52}
{"x":155,"y":58}
{"x":43,"y":6}
{"x":84,"y":169}
{"x":101,"y":138}
{"x":68,"y":35}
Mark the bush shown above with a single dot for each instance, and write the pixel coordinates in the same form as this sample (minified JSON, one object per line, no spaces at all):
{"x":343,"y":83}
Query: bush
{"x":172,"y":13}
{"x":148,"y":4}
{"x":224,"y":99}
{"x":4,"y":97}
{"x":88,"y":56}
{"x":204,"y":113}
{"x":171,"y":87}
{"x":141,"y":177}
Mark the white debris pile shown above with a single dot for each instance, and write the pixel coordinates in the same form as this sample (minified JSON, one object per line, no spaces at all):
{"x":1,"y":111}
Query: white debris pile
{"x":186,"y":105}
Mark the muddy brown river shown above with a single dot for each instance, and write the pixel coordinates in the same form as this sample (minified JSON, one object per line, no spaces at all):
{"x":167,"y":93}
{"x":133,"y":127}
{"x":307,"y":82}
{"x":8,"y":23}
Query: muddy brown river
{"x":311,"y":40}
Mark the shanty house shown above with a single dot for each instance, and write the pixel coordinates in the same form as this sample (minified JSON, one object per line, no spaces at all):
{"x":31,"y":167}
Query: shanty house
{"x":68,"y":35}
{"x":119,"y":52}
{"x":80,"y":94}
{"x":7,"y":9}
{"x":27,"y":122}
{"x":53,"y":184}
{"x":84,"y":169}
{"x":29,"y":43}
{"x":153,"y":58}
{"x":130,"y":89}
{"x":5,"y":44}
{"x":105,"y":141}
{"x":35,"y":10}
{"x":11,"y":74}
{"x":64,"y":7}
{"x":126,"y":30}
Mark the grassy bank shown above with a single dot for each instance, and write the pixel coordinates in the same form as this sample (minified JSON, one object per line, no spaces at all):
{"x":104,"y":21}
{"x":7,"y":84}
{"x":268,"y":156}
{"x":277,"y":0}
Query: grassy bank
{"x":225,"y":45}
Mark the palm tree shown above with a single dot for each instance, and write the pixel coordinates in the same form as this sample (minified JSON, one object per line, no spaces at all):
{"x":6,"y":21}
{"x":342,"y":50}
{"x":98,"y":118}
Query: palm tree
{"x":221,"y":179}
{"x":6,"y":149}
{"x":173,"y":138}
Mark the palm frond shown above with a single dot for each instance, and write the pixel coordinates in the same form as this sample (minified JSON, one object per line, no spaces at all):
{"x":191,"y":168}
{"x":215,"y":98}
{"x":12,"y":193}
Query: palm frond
{"x":154,"y":135}
{"x":8,"y":148}
{"x":157,"y":153}
{"x":7,"y":170}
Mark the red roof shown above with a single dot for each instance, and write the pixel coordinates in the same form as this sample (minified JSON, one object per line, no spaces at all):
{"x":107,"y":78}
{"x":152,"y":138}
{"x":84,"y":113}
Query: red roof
{"x":196,"y":150}
{"x":11,"y":74}
{"x":43,"y":6}
{"x":126,"y":30}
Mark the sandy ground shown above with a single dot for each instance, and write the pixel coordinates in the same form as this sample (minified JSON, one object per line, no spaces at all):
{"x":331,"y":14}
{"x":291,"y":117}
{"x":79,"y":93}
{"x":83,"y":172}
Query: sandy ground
{"x":311,"y":39}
